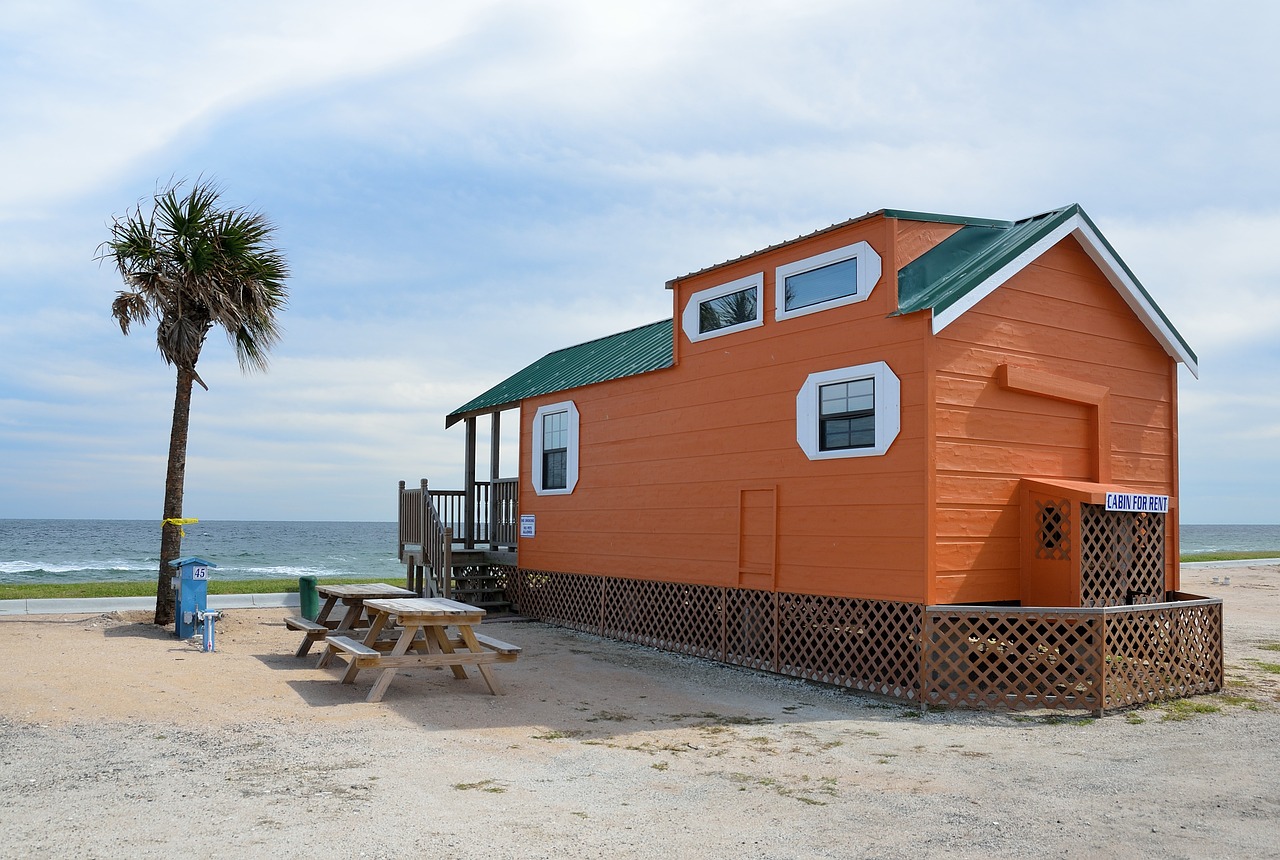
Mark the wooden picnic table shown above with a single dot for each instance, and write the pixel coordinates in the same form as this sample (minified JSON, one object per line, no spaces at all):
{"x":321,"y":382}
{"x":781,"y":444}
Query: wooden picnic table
{"x":423,"y":641}
{"x":351,"y":596}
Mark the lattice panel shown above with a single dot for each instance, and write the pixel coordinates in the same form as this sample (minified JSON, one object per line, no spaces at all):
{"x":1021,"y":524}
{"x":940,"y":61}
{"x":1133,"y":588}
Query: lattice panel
{"x":1053,"y":540}
{"x":567,"y":599}
{"x":668,"y":615}
{"x":870,"y":645}
{"x":1012,"y":660}
{"x":968,"y":656}
{"x":751,"y":628}
{"x":1121,"y":557}
{"x":1165,"y":652}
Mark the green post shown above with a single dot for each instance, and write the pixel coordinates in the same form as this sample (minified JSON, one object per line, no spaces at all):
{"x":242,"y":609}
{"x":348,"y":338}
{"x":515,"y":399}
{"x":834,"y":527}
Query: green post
{"x":308,"y":597}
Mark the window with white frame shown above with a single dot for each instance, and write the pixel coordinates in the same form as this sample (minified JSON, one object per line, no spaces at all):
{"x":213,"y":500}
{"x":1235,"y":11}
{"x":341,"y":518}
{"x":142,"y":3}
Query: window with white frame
{"x":829,"y":280}
{"x":849,"y":412}
{"x":724,"y":309}
{"x":555,"y":449}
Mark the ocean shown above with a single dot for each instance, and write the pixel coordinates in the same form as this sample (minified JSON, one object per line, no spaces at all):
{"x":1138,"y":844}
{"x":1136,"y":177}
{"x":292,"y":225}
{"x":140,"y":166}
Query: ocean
{"x":129,"y":550}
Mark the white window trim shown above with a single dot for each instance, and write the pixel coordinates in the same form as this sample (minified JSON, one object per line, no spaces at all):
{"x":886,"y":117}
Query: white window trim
{"x":868,"y":276}
{"x":690,"y":320}
{"x":571,"y":449}
{"x":888,"y":410}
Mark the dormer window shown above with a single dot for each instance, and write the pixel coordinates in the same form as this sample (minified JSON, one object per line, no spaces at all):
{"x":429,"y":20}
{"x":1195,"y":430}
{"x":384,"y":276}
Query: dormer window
{"x":829,"y":280}
{"x":724,"y":309}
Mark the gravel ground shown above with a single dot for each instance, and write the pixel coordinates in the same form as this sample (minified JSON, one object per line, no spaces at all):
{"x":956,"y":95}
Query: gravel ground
{"x":116,"y":740}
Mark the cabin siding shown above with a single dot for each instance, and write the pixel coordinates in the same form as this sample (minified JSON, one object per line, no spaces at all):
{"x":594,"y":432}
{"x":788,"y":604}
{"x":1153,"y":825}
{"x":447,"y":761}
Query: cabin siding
{"x":1059,"y":315}
{"x":665,"y":457}
{"x":693,"y":474}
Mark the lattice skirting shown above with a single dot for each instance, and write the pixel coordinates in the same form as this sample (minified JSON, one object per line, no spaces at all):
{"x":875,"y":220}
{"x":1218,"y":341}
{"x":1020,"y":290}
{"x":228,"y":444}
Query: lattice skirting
{"x":959,"y":656}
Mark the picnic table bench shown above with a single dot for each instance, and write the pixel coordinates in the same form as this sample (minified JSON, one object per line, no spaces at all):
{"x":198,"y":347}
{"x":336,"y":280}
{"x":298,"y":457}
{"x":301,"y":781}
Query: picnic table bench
{"x":423,"y":641}
{"x":352,"y":596}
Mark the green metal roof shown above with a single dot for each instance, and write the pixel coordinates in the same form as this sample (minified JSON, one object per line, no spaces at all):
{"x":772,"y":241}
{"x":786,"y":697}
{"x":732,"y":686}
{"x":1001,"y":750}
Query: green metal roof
{"x":947,"y":279}
{"x":627,"y":353}
{"x":949,"y":273}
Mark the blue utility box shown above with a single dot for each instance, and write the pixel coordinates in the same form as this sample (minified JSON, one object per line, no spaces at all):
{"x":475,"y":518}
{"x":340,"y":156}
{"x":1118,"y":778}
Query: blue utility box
{"x":192,"y":590}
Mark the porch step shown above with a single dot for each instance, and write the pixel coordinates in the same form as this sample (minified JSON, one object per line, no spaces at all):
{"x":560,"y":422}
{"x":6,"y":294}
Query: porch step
{"x":487,"y":591}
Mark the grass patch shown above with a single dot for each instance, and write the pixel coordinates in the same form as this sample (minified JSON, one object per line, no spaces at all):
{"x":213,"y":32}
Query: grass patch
{"x":721,"y":719}
{"x":1238,"y":701}
{"x":804,"y":794}
{"x":1229,"y":555}
{"x":484,"y":785}
{"x":81,"y":590}
{"x":1181,"y":710}
{"x":1054,"y":719}
{"x":1270,"y":646}
{"x":610,"y":716}
{"x":557,"y":735}
{"x":1271,"y":668}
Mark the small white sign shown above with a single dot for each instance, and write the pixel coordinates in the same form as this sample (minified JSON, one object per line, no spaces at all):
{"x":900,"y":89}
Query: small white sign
{"x":1137,"y":503}
{"x":199,"y":572}
{"x":526,"y":525}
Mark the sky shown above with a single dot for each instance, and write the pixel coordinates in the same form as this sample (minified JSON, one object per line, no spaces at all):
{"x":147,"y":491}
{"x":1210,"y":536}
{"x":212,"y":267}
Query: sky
{"x":461,"y":188}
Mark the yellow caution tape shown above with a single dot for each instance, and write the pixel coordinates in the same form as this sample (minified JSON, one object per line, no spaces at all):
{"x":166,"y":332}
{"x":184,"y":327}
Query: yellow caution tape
{"x":179,"y":522}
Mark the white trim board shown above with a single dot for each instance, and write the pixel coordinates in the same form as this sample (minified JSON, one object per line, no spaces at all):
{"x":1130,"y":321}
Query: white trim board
{"x":1115,"y":272}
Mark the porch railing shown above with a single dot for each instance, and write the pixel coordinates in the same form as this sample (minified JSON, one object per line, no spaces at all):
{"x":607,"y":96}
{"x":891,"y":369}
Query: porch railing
{"x":495,"y":514}
{"x":1088,"y":658}
{"x":425,"y":542}
{"x":504,"y":513}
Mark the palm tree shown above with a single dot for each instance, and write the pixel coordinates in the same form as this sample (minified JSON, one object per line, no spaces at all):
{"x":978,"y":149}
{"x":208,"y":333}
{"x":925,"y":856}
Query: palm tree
{"x":193,"y":265}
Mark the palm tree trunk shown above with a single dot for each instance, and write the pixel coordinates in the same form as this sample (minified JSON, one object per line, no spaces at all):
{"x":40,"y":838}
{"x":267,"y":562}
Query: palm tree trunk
{"x":174,"y":481}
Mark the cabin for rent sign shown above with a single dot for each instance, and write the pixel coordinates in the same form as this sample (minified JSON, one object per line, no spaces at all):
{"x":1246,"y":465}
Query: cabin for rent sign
{"x":1137,"y":503}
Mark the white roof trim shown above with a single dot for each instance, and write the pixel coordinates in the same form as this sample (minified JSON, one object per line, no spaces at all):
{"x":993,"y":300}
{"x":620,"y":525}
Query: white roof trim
{"x":1106,"y":261}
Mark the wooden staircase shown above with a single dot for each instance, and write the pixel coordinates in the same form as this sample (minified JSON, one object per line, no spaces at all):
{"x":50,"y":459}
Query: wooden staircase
{"x":480,"y":578}
{"x":436,"y":566}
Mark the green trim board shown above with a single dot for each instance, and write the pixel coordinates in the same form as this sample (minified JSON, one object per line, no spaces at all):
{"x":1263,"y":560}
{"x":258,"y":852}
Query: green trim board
{"x":638,"y":350}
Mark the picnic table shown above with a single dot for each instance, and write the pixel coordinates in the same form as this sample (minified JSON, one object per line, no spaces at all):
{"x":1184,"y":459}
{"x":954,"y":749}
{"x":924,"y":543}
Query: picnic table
{"x":423,"y":641}
{"x":350,"y":596}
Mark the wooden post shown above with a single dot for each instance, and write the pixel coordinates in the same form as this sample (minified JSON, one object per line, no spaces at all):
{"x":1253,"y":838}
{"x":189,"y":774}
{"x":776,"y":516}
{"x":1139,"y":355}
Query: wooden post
{"x":446,"y":564}
{"x":469,"y":470}
{"x":424,"y":502}
{"x":495,"y":433}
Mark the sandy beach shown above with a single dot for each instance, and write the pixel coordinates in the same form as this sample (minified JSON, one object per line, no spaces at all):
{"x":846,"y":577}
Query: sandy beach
{"x":117,"y":740}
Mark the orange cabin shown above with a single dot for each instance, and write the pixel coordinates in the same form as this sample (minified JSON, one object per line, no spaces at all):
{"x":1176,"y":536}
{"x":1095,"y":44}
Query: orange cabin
{"x":903,"y":407}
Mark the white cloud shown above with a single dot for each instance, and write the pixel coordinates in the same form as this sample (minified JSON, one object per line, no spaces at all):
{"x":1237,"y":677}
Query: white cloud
{"x":462,"y":189}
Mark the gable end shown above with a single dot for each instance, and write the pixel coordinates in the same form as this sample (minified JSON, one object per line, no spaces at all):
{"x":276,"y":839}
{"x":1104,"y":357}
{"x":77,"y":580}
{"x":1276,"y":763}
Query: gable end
{"x":973,"y":263}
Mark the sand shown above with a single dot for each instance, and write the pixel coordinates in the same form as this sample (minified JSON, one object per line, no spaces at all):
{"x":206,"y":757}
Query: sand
{"x":117,"y":740}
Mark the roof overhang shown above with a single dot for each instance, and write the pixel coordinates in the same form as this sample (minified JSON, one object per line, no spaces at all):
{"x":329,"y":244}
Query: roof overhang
{"x":1083,"y":230}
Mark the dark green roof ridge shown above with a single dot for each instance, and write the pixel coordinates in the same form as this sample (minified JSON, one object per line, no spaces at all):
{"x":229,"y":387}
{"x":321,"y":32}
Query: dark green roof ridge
{"x":909,"y":215}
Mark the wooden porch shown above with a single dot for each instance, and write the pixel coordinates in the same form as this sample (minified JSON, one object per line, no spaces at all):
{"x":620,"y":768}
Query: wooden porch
{"x":460,"y":544}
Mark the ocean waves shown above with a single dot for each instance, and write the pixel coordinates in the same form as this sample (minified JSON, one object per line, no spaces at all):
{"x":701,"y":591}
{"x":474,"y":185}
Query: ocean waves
{"x":54,"y":551}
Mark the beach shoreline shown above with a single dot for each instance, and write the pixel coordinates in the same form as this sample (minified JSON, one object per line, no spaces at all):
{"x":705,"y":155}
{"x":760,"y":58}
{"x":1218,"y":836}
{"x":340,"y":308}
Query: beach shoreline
{"x":120,"y":741}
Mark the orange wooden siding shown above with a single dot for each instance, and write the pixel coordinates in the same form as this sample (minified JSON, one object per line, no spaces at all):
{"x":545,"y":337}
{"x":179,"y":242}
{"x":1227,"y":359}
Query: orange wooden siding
{"x":1058,"y":316}
{"x":665,"y":458}
{"x":693,"y":474}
